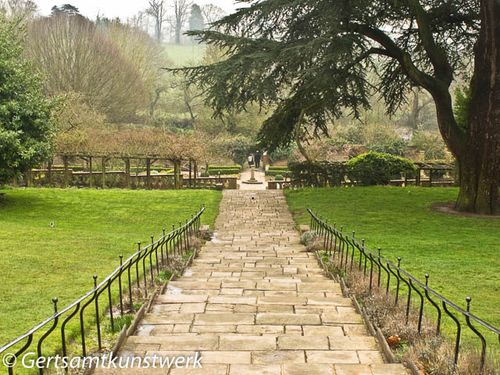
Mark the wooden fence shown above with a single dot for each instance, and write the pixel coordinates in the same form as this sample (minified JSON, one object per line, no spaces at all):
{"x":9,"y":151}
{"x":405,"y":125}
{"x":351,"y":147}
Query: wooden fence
{"x":185,"y":174}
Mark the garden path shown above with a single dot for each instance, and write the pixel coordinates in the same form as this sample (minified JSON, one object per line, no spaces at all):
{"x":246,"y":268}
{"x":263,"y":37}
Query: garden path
{"x":246,"y":175}
{"x":255,"y":302}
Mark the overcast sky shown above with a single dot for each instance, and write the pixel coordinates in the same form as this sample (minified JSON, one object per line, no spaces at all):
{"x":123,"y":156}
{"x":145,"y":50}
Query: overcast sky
{"x":118,"y":8}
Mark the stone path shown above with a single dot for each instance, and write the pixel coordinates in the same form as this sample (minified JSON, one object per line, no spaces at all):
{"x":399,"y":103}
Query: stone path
{"x":255,"y":302}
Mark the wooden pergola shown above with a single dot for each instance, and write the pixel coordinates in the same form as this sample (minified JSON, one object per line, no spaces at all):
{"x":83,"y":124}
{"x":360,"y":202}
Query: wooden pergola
{"x":149,"y":161}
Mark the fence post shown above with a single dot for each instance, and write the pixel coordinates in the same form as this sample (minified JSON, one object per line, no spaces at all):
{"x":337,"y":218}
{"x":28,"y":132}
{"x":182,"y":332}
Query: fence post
{"x":190,"y":173}
{"x":148,"y":173}
{"x":127,"y":172}
{"x":66,"y":171}
{"x":195,"y":172}
{"x":49,"y":172}
{"x":103,"y":166}
{"x":91,"y":175}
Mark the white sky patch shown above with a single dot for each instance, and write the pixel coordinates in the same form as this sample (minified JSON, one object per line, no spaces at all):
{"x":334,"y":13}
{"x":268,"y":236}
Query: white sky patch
{"x":120,"y":8}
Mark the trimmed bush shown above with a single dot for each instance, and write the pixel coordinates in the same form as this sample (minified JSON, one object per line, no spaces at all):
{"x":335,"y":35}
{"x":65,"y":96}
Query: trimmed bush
{"x":278,"y":170}
{"x":279,"y":177}
{"x":374,"y":168}
{"x":318,"y":173}
{"x":283,"y":172}
{"x":235,"y":166}
{"x":215,"y":172}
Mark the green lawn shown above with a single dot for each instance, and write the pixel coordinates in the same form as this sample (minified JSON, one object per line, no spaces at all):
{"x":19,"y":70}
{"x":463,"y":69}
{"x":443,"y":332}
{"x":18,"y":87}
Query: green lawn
{"x":461,"y":254}
{"x":92,"y":228}
{"x":182,"y":55}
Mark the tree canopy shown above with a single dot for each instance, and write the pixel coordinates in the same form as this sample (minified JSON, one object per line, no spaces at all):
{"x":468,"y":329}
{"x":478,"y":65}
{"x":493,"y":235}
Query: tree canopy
{"x":25,"y":114}
{"x":196,"y":21}
{"x":310,"y":59}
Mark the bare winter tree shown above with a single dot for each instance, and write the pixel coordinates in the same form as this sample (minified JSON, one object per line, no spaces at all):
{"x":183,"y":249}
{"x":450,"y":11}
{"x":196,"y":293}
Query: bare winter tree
{"x":22,"y":10}
{"x":139,"y":21}
{"x":212,"y":13}
{"x":157,"y":10}
{"x":75,"y":55}
{"x":181,"y":14}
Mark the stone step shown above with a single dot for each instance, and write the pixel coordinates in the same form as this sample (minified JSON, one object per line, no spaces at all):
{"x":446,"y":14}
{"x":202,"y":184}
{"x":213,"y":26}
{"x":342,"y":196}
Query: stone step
{"x":256,"y":302}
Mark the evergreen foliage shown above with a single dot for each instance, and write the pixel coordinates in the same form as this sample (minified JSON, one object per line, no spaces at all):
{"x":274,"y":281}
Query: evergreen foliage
{"x":310,"y":59}
{"x":196,"y":20}
{"x":374,"y":168}
{"x":25,"y":113}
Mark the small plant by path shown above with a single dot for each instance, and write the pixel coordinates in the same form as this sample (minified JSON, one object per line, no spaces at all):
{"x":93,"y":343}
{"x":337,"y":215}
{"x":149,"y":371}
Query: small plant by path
{"x":432,"y":353}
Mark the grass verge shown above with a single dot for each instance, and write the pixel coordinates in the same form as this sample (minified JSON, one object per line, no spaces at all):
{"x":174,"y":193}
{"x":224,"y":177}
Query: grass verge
{"x":54,"y":240}
{"x":459,"y":253}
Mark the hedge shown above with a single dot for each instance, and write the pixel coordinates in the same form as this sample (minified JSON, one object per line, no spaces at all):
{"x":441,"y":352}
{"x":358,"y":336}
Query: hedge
{"x":236,"y":166}
{"x":277,"y":168}
{"x":228,"y":171}
{"x":318,"y":173}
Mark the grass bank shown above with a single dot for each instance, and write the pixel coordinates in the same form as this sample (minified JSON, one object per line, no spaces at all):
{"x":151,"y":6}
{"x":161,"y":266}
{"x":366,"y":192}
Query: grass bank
{"x":461,"y":254}
{"x":91,"y":228}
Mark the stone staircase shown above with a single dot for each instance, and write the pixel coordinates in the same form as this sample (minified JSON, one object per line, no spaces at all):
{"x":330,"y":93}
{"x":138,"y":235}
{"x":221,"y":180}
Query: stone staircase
{"x":255,"y":302}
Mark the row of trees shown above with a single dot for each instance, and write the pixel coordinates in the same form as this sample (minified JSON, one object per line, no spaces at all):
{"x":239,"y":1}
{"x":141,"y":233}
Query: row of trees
{"x":178,"y":16}
{"x":115,"y":68}
{"x":110,"y":94}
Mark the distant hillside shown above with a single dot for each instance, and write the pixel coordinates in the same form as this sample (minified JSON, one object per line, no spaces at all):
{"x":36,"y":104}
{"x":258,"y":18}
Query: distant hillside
{"x":182,"y":55}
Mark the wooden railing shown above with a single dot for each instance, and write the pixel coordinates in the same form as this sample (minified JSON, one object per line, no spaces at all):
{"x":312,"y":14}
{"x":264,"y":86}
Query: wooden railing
{"x":58,"y":177}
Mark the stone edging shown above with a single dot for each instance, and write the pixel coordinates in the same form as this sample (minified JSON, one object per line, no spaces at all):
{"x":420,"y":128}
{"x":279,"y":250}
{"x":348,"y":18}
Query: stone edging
{"x":372,"y":328}
{"x":146,"y":307}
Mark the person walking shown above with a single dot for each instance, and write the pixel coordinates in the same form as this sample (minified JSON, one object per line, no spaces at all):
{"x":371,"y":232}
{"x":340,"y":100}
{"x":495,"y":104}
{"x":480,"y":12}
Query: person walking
{"x":250,"y":161}
{"x":257,"y":159}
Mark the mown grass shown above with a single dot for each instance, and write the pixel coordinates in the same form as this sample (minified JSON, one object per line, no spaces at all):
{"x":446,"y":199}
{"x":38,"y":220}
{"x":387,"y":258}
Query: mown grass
{"x":460,"y":253}
{"x":91,"y":229}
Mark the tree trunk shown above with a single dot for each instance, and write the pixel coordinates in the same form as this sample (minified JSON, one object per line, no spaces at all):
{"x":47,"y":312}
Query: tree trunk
{"x":479,"y":163}
{"x":178,"y":30}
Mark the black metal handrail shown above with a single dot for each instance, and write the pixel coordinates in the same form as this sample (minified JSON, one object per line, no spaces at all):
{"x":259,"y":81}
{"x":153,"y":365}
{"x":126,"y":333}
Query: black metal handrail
{"x":145,"y":263}
{"x":337,"y":243}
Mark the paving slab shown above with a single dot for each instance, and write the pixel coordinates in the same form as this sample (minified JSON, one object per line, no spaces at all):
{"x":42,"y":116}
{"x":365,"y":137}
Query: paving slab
{"x":256,"y":302}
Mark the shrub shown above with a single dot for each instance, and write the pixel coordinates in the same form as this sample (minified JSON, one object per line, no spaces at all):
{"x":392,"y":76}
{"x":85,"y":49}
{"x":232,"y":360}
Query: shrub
{"x":279,"y":177}
{"x":237,"y":148}
{"x":321,"y":173}
{"x":383,"y":138}
{"x":227,"y":171}
{"x":431,"y":143}
{"x":282,"y":153}
{"x":274,"y":171}
{"x":235,"y":166}
{"x":308,"y":237}
{"x":312,"y":241}
{"x":375,"y":168}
